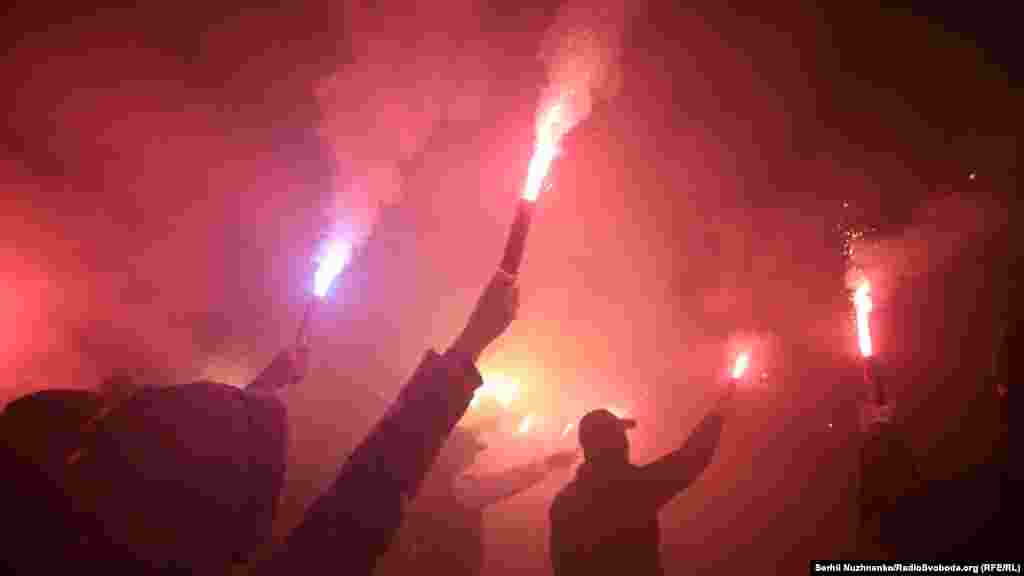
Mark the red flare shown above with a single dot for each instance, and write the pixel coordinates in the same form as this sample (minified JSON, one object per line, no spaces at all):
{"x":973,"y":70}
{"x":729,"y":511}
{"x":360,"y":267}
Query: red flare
{"x":863,"y":305}
{"x":740,"y":365}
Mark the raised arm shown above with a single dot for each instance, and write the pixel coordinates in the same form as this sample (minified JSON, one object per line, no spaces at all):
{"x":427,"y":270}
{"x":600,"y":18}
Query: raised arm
{"x":666,"y":477}
{"x":479,"y":492}
{"x":354,"y":522}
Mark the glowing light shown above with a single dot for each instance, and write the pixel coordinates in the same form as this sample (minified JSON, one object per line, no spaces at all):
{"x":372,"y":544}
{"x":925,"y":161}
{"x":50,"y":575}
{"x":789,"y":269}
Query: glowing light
{"x":335,"y":257}
{"x":971,"y":176}
{"x":503,"y":389}
{"x":545,"y":150}
{"x":863,"y":305}
{"x":568,"y":427}
{"x":618,"y":412}
{"x":740,"y":365}
{"x":526,"y":424}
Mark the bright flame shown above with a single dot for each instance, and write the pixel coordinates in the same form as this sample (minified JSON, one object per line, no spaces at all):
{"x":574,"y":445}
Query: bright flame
{"x":335,"y":258}
{"x":740,"y":366}
{"x":503,"y":389}
{"x":863,"y":304}
{"x":526,"y":424}
{"x":545,"y":150}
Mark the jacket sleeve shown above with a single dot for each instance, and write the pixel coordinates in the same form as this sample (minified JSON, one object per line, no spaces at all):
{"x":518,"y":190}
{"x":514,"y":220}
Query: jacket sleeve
{"x":674,"y":472}
{"x":559,"y":546}
{"x":354,"y":521}
{"x":478,"y":492}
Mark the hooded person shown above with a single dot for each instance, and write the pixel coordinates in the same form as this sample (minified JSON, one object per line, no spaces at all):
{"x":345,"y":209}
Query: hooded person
{"x":38,"y":431}
{"x":45,"y":427}
{"x":606,"y":520}
{"x":144,"y":479}
{"x":444,"y":530}
{"x":184,"y":476}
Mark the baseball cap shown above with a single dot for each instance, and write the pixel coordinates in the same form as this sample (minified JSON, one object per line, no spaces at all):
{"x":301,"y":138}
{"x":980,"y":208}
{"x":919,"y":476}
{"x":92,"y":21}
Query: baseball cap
{"x":599,"y":423}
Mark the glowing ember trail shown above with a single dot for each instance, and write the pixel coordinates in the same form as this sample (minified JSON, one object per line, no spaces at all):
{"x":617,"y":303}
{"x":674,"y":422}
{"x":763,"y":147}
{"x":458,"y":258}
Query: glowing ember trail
{"x":335,"y":258}
{"x":740,"y":365}
{"x":863,"y":305}
{"x":545,"y":151}
{"x":526,"y":424}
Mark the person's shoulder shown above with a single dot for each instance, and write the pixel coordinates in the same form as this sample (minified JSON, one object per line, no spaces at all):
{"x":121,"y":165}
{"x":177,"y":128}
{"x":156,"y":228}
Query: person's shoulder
{"x":564,"y":499}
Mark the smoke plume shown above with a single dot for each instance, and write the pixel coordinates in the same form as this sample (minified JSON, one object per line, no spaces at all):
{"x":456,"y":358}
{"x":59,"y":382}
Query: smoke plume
{"x":379,"y":111}
{"x":581,"y":52}
{"x":938,"y":232}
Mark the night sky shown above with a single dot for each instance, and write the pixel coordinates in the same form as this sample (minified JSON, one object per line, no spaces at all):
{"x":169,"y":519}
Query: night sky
{"x":168,"y":171}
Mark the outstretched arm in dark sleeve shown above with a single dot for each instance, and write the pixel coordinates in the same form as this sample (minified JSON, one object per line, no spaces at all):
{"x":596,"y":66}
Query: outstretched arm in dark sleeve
{"x":352,"y":524}
{"x":674,"y":472}
{"x":478,"y":492}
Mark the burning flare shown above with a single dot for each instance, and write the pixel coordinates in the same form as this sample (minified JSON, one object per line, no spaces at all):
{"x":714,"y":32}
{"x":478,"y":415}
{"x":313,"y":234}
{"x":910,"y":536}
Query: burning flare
{"x":335,"y":257}
{"x":545,"y":149}
{"x":863,"y":305}
{"x":740,"y":365}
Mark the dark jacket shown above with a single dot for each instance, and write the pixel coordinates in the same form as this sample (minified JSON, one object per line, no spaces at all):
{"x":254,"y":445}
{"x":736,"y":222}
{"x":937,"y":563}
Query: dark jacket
{"x":353,"y":523}
{"x":606,"y":520}
{"x":182,"y":477}
{"x":973,"y":516}
{"x":44,"y":427}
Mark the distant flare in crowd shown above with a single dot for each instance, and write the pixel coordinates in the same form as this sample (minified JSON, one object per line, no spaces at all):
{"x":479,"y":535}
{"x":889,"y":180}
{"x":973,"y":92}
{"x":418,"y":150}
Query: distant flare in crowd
{"x":503,"y":389}
{"x":740,"y":365}
{"x":335,"y":257}
{"x":863,"y":305}
{"x":526,"y":424}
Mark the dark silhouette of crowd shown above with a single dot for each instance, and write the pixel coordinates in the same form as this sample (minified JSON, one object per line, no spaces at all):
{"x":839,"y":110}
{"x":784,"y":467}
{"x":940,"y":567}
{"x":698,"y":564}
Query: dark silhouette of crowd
{"x":185,"y":479}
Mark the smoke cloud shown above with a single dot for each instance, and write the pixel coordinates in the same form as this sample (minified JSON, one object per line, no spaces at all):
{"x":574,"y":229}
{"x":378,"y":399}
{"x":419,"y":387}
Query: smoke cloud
{"x":379,"y":111}
{"x":938,"y":232}
{"x":582,"y":52}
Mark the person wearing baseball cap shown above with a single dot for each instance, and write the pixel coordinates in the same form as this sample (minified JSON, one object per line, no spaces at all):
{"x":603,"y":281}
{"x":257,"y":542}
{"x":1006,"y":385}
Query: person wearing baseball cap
{"x":606,"y":520}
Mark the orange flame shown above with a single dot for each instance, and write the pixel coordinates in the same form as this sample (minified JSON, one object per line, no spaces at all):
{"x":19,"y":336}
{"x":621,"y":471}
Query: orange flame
{"x":503,"y":389}
{"x":863,"y":304}
{"x":545,"y":150}
{"x":740,"y":365}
